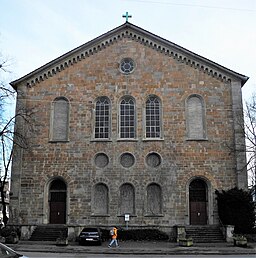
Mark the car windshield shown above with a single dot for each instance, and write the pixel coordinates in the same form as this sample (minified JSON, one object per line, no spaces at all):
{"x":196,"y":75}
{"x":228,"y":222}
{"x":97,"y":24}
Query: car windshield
{"x":90,"y":230}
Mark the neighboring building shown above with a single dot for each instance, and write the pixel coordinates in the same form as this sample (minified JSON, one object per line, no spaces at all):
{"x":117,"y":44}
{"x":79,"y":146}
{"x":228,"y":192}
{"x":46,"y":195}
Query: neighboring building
{"x":128,"y":123}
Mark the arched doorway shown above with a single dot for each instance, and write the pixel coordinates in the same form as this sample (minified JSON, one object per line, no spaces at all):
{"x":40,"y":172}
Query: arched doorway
{"x":57,"y":202}
{"x":198,"y":202}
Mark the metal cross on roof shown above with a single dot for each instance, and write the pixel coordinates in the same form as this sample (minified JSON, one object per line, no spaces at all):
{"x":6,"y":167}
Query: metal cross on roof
{"x":127,"y":16}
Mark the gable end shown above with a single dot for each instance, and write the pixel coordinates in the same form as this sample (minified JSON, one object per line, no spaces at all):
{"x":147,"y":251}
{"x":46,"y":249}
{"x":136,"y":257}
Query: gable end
{"x":139,"y":35}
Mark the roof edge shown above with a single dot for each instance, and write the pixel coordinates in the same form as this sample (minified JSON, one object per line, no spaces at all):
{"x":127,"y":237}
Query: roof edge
{"x":67,"y":54}
{"x":243,"y":78}
{"x":143,"y":36}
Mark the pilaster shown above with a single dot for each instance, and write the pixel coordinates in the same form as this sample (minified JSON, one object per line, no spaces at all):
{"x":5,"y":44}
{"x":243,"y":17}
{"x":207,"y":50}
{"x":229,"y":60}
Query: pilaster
{"x":239,"y":137}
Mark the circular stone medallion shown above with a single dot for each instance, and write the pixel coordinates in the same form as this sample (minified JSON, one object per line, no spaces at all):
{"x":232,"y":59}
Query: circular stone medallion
{"x":101,"y":160}
{"x":127,"y":160}
{"x":153,"y":160}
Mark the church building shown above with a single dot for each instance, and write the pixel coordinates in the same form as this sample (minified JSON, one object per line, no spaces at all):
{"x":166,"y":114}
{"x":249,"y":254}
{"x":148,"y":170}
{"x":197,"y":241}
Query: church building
{"x":127,"y":126}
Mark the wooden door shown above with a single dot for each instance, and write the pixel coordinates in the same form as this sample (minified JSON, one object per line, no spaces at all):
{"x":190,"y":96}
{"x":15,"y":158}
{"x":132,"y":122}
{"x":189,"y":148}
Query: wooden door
{"x":58,"y":210}
{"x":198,"y":202}
{"x":57,"y":202}
{"x":198,"y":213}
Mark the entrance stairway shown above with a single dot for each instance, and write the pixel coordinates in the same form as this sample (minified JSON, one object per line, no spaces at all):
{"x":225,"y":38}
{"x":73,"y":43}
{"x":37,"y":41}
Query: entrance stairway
{"x":48,"y":232}
{"x":205,"y":233}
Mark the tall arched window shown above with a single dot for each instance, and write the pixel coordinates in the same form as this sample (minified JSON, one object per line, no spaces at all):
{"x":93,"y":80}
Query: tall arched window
{"x":102,"y":118}
{"x":154,"y":199}
{"x":127,"y":199}
{"x":127,"y":118}
{"x":195,"y":118}
{"x":60,"y":119}
{"x":100,"y":199}
{"x":153,"y":117}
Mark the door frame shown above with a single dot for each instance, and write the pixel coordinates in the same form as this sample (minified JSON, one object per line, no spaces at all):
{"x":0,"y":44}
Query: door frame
{"x":46,"y":213}
{"x":209,"y":203}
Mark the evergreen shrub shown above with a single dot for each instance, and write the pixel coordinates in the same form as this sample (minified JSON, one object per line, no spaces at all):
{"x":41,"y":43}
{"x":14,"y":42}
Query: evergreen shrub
{"x":237,"y":208}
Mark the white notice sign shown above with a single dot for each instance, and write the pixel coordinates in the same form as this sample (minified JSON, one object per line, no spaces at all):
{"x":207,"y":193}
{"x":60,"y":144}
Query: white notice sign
{"x":126,"y":217}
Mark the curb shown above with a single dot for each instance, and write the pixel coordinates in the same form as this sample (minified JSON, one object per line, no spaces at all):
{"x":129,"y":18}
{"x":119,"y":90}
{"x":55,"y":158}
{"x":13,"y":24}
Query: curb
{"x":136,"y":251}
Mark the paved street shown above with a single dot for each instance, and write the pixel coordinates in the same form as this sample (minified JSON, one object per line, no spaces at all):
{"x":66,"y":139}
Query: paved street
{"x":145,"y":249}
{"x":57,"y":255}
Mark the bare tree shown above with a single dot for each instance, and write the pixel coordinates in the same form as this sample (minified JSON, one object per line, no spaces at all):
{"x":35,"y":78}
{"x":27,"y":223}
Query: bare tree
{"x":9,"y":136}
{"x":250,"y":138}
{"x":6,"y":92}
{"x":246,"y":126}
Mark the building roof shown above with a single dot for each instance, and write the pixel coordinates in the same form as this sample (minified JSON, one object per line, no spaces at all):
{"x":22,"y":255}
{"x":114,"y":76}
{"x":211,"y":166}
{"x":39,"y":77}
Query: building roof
{"x":129,"y":30}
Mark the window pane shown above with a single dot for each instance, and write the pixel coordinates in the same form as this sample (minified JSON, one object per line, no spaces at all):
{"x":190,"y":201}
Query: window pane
{"x":153,"y":117}
{"x":127,"y":118}
{"x":102,"y":114}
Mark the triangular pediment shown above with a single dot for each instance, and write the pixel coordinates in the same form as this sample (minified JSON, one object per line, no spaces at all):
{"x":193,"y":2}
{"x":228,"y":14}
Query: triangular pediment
{"x":128,"y":30}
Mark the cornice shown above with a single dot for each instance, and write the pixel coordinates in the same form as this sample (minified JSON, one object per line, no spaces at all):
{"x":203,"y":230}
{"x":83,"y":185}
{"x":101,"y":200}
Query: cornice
{"x":137,"y":34}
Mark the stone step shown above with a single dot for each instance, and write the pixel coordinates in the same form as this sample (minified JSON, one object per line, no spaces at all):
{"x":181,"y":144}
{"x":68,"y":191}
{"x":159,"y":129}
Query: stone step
{"x":205,"y":234}
{"x":48,"y":232}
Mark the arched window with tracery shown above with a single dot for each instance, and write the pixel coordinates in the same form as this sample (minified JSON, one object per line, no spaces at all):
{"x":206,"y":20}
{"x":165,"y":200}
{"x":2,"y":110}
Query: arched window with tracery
{"x":153,"y":125}
{"x":127,"y":118}
{"x":102,"y":118}
{"x":60,"y":119}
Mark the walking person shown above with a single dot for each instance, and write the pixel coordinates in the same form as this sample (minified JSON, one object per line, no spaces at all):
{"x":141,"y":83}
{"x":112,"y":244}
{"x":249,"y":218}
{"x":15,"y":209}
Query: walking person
{"x":113,"y":233}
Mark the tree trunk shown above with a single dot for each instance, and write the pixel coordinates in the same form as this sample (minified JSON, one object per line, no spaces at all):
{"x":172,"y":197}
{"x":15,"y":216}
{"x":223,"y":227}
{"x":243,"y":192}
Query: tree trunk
{"x":5,"y":218}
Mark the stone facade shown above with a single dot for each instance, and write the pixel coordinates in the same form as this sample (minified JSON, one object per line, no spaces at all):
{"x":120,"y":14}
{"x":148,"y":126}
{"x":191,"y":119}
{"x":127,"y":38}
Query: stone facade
{"x":148,"y":178}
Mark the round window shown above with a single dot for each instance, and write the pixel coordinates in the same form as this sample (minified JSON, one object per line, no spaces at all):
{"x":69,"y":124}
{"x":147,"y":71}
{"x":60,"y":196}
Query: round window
{"x":127,"y":65}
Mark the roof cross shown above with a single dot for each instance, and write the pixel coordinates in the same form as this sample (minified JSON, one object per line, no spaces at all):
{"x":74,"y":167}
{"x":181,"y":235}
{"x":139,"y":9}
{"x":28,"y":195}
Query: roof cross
{"x":127,"y":16}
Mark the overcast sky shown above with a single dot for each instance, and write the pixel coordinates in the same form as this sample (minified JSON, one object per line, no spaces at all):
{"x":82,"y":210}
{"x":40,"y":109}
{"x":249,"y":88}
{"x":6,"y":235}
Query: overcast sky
{"x":34,"y":32}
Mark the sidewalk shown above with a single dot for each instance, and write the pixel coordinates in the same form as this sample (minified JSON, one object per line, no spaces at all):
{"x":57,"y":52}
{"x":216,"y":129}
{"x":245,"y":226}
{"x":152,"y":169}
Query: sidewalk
{"x":136,"y":247}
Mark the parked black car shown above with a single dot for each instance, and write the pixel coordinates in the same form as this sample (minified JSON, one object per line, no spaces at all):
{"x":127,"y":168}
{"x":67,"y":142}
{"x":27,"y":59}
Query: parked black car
{"x":90,"y":236}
